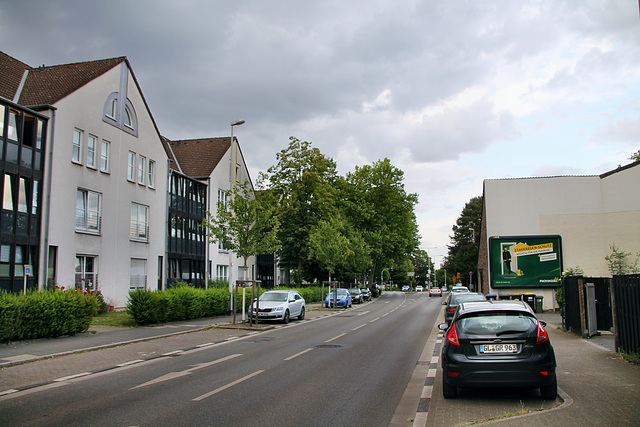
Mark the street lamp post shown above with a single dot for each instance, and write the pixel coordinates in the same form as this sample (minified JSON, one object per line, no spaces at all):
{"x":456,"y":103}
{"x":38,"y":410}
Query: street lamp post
{"x":232,"y":182}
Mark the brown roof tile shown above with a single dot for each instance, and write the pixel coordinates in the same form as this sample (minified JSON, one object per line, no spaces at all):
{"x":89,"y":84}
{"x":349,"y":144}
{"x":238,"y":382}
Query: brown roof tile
{"x":198,"y":157}
{"x":11,"y":71}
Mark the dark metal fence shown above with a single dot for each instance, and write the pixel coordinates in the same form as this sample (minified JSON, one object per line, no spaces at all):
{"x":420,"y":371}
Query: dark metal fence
{"x":626,"y":306}
{"x":576,"y":315}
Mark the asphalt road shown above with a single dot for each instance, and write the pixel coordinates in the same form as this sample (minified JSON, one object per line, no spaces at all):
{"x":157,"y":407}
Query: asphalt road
{"x":348,"y":369}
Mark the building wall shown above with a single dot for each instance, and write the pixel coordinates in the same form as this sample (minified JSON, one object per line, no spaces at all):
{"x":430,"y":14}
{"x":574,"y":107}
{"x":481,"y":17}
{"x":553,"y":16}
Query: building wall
{"x":113,"y":246}
{"x":224,"y":177}
{"x":590,"y":213}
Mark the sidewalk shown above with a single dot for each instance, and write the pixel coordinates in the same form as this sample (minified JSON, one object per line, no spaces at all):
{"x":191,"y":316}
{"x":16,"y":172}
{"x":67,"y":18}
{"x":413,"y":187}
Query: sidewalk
{"x":596,"y":387}
{"x":99,"y":337}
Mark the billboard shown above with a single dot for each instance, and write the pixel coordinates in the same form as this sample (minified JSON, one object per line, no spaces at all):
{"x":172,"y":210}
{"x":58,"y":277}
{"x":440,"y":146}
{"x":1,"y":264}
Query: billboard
{"x":525,"y":261}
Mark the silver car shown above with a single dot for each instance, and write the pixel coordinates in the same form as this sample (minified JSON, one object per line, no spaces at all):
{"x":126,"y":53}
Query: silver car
{"x":280,"y":305}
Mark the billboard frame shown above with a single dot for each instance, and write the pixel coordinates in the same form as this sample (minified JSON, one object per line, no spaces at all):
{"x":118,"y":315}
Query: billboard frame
{"x":544,"y":271}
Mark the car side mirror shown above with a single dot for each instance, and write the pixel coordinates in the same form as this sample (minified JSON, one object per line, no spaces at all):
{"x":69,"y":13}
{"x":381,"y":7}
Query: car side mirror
{"x":543,"y":323}
{"x":443,"y":326}
{"x":444,"y":303}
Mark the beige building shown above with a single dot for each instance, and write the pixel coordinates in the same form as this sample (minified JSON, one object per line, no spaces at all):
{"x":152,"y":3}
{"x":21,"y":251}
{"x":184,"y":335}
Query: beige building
{"x":589,"y":213}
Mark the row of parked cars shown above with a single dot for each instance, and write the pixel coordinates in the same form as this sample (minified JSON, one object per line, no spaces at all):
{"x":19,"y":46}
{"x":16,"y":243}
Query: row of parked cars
{"x":492,"y":343}
{"x":347,"y":297}
{"x":284,"y":305}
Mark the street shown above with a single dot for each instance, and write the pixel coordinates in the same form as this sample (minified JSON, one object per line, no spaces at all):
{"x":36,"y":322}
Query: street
{"x":347,"y":369}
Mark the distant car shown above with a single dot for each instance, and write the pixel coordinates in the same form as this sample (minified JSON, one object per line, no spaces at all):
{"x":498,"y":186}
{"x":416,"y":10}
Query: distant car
{"x":435,"y":292}
{"x":497,"y":344}
{"x":459,"y":289}
{"x":356,"y":295}
{"x":279,"y":305}
{"x":406,"y":288}
{"x":366,"y":294}
{"x":454,"y":299}
{"x":344,"y":299}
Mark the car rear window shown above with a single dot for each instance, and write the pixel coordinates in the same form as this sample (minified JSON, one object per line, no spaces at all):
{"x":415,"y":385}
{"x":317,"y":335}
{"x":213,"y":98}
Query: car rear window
{"x":457,"y":299}
{"x":495,"y":323}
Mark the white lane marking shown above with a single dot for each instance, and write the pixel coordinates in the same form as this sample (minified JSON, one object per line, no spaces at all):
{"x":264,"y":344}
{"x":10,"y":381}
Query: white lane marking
{"x":361,"y":326}
{"x":364,"y":312}
{"x":131,"y":362}
{"x":207,"y":344}
{"x":13,"y":390}
{"x":218,"y":390}
{"x":336,"y":337}
{"x":298,"y":354}
{"x":377,"y":318}
{"x":173,"y":375}
{"x":70,"y":377}
{"x":171,"y":353}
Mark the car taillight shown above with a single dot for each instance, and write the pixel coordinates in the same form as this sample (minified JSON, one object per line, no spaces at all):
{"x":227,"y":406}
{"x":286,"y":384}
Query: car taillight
{"x":452,"y":336}
{"x":451,"y":310}
{"x":542,"y":334}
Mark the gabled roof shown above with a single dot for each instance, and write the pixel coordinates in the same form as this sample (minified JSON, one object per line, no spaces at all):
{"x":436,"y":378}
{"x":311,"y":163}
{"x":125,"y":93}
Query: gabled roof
{"x":197,"y":158}
{"x":48,"y":85}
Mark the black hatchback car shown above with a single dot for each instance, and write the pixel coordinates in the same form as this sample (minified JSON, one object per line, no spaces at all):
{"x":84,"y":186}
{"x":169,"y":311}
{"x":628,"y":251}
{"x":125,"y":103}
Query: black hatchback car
{"x":455,"y":299}
{"x":497,"y":344}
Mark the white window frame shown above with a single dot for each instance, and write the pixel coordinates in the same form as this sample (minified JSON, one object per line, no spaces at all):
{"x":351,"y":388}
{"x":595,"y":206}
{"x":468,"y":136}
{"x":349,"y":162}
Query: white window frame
{"x":139,"y":229}
{"x":222,"y":272}
{"x":105,"y":147}
{"x":152,"y":174}
{"x":88,"y":207}
{"x":142,"y":163}
{"x":137,"y":274}
{"x":92,"y":142}
{"x":131,"y":166}
{"x":84,"y":279}
{"x":76,"y":154}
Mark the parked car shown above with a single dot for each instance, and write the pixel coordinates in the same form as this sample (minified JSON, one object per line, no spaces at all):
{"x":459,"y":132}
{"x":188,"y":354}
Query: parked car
{"x":459,"y":289}
{"x":406,"y":288}
{"x":454,"y":299}
{"x":344,"y":299}
{"x":356,"y":295}
{"x":366,"y":294}
{"x":497,"y":344}
{"x":279,"y":305}
{"x":419,"y":288}
{"x":435,"y":291}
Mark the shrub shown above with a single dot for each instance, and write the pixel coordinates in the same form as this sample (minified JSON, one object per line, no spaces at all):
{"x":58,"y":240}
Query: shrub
{"x":46,"y":314}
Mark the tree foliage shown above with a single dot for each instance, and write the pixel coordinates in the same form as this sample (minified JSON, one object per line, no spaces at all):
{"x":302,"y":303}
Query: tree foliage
{"x":303,"y":183}
{"x":245,"y":224}
{"x":463,"y":251}
{"x":381,"y":210}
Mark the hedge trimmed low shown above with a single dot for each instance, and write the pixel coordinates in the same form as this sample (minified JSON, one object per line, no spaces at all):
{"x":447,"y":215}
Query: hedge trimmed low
{"x":46,"y":314}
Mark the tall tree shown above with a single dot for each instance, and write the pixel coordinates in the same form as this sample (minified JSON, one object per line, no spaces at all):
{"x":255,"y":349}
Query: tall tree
{"x":303,"y":182}
{"x":383,"y":213}
{"x":463,"y":251}
{"x":245,"y":224}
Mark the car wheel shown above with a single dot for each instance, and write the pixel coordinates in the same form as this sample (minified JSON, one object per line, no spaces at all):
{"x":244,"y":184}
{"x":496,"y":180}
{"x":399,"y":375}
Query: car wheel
{"x":449,"y":391}
{"x":301,"y":317}
{"x":286,"y":317}
{"x":550,"y":392}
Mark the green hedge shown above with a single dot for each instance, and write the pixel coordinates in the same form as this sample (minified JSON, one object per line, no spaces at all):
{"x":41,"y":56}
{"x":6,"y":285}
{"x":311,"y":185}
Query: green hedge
{"x":46,"y":314}
{"x":184,"y":303}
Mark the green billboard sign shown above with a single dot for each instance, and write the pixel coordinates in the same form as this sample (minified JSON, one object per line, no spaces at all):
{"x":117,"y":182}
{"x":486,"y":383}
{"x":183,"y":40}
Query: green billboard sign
{"x":525,"y":261}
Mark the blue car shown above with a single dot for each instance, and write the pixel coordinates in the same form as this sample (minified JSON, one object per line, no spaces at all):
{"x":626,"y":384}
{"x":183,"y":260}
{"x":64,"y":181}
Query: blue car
{"x":344,"y":298}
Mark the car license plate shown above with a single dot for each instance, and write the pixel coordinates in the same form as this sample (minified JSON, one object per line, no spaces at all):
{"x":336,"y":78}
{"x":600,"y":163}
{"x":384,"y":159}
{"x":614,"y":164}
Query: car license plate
{"x":498,"y":348}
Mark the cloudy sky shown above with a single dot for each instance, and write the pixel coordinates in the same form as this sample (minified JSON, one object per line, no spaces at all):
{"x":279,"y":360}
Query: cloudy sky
{"x":452,"y":92}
